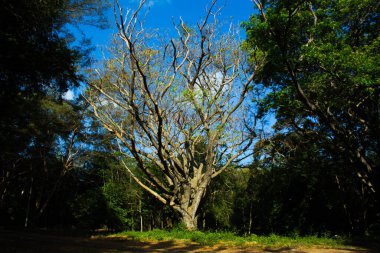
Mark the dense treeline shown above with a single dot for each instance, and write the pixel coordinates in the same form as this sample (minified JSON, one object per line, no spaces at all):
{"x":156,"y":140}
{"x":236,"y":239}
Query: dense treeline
{"x":315,"y":171}
{"x":40,"y":133}
{"x":320,"y":62}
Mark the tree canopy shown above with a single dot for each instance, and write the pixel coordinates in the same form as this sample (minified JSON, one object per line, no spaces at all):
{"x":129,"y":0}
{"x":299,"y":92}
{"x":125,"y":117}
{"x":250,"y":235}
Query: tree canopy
{"x":38,"y":63}
{"x":321,"y":63}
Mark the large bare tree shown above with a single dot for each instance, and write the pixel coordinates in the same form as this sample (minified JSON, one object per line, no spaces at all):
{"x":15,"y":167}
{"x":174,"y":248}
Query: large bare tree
{"x":178,"y":108}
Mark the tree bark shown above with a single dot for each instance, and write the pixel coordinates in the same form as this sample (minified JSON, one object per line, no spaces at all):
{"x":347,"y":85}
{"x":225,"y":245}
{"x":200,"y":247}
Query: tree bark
{"x":189,"y":203}
{"x":141,"y":217}
{"x":190,"y":222}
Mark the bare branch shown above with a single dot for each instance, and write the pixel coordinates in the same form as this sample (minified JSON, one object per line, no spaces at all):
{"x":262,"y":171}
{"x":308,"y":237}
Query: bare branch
{"x":176,"y":106}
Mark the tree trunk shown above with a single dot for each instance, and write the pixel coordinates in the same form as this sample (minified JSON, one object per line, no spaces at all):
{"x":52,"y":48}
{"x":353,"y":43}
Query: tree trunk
{"x":250,"y":219}
{"x":189,"y":201}
{"x":190,"y":222}
{"x":204,"y":220}
{"x":26,"y":224}
{"x":141,"y":217}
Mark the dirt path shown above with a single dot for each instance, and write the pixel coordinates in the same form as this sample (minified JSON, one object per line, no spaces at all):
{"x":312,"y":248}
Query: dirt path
{"x":26,"y":242}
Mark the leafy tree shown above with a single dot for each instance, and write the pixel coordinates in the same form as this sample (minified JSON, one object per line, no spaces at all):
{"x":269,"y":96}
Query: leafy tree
{"x":320,"y":61}
{"x":221,"y":207}
{"x":296,"y":186}
{"x":38,"y":63}
{"x":40,"y":170}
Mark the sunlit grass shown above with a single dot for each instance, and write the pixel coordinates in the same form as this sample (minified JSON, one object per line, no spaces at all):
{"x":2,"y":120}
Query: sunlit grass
{"x":229,"y":238}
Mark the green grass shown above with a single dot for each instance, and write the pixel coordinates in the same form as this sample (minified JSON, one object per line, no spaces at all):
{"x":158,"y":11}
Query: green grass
{"x":228,"y":238}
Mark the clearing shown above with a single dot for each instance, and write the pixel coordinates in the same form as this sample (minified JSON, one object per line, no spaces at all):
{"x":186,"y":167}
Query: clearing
{"x":52,"y":242}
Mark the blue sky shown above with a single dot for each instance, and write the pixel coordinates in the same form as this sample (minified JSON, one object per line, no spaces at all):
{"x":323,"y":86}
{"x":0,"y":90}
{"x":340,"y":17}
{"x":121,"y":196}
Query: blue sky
{"x":161,"y":13}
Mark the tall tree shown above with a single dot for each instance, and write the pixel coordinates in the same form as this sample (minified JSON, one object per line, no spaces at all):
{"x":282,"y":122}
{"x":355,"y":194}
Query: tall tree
{"x":177,"y":108}
{"x":38,"y":63}
{"x":321,"y":60}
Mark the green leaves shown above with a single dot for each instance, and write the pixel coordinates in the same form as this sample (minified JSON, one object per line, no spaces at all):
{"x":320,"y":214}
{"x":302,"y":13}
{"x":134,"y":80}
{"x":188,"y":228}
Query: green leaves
{"x":321,"y":62}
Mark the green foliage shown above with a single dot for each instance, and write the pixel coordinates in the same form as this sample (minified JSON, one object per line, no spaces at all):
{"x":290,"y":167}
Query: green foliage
{"x":229,"y":239}
{"x":39,"y":131}
{"x":277,"y":241}
{"x":118,"y":203}
{"x":89,"y":209}
{"x":219,"y":209}
{"x":320,"y":60}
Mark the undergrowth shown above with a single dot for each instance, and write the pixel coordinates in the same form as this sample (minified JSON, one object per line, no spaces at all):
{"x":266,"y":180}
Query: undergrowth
{"x":229,"y":238}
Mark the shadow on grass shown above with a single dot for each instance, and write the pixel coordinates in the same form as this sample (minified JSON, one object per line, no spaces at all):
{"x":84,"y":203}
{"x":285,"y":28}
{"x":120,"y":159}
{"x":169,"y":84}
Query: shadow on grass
{"x":82,"y":242}
{"x":66,"y":242}
{"x":371,"y":243}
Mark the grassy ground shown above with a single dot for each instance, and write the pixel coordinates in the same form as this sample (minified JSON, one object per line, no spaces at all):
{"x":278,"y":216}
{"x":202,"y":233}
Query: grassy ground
{"x":25,"y":241}
{"x":231,"y":239}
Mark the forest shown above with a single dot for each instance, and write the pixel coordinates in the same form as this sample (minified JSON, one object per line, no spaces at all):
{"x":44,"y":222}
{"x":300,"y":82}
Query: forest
{"x":275,"y":133}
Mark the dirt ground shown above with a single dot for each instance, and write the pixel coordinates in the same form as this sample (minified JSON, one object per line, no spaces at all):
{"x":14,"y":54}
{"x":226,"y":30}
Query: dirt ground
{"x":47,"y":242}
